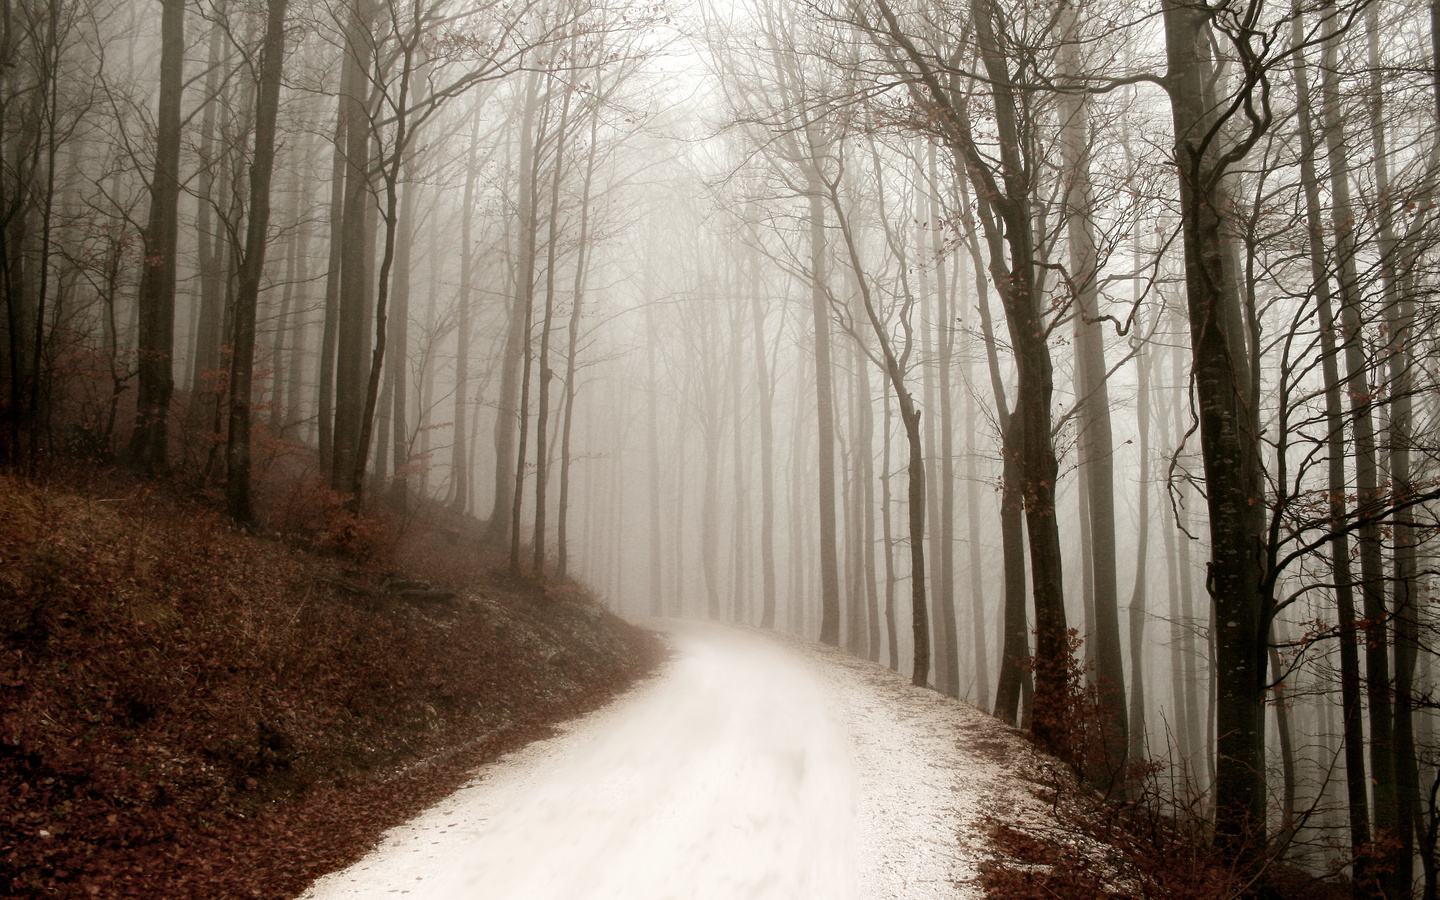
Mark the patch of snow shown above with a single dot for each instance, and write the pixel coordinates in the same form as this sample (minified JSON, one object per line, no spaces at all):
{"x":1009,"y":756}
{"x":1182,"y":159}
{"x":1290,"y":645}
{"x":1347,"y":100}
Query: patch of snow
{"x":751,"y":767}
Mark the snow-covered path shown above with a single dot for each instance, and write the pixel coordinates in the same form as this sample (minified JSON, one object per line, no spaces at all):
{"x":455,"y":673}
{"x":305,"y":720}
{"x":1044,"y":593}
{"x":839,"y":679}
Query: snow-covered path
{"x":751,"y":767}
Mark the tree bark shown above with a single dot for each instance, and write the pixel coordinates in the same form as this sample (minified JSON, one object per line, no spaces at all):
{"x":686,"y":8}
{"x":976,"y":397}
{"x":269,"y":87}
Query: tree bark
{"x":398,"y":360}
{"x":825,"y":417}
{"x":1230,"y":450}
{"x":149,"y":442}
{"x":357,"y":249}
{"x":765,"y":390}
{"x":1096,"y":441}
{"x":547,"y":322}
{"x":267,"y":104}
{"x":1365,"y":460}
{"x":944,"y":360}
{"x":582,"y":260}
{"x":1350,"y":704}
{"x":459,"y":456}
{"x":330,"y":329}
{"x":524,"y":312}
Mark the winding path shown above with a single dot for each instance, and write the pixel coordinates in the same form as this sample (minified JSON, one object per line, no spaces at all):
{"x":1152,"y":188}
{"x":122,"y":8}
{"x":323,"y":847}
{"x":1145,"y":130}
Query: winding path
{"x":751,"y":767}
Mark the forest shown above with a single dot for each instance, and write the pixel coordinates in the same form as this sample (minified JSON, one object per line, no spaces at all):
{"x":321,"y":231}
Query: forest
{"x":1076,"y":358}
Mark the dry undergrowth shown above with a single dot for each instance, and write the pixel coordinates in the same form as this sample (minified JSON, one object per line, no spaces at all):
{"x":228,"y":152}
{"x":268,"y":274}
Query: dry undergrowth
{"x":186,"y":711}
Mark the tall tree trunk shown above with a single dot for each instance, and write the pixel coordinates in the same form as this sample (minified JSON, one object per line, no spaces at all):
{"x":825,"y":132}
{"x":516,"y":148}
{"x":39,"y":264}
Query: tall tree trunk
{"x":944,"y":526}
{"x":981,"y":696}
{"x":285,"y":328}
{"x":542,"y":410}
{"x":1139,"y":735}
{"x":943,"y":632}
{"x":825,"y":417}
{"x":398,"y":360}
{"x":711,"y":428}
{"x":891,"y":578}
{"x":149,"y":442}
{"x":1367,"y":490}
{"x":894,"y":366}
{"x":299,"y":346}
{"x":357,"y":249}
{"x":1229,"y":449}
{"x":1007,"y":217}
{"x":652,"y":432}
{"x":582,"y":261}
{"x":1399,"y":321}
{"x":330,"y":330}
{"x":459,"y":456}
{"x":1350,"y":704}
{"x":507,"y":421}
{"x":765,"y":390}
{"x":209,"y":253}
{"x":1015,"y":649}
{"x":524,"y":311}
{"x":267,"y":104}
{"x":1096,"y":442}
{"x":401,"y":137}
{"x":866,"y":458}
{"x":740,"y":536}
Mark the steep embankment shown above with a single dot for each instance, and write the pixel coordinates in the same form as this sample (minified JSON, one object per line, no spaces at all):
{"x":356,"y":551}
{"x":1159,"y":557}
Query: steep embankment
{"x":186,"y":711}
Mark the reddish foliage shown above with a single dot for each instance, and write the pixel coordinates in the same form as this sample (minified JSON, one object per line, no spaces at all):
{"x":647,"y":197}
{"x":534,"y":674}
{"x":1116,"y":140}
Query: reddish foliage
{"x":189,"y":712}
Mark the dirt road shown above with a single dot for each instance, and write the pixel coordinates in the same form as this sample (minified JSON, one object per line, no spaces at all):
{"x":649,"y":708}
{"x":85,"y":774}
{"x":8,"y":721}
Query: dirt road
{"x":751,"y":767}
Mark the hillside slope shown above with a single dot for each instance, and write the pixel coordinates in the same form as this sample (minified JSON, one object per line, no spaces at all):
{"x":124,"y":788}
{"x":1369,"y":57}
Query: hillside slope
{"x":186,"y":711}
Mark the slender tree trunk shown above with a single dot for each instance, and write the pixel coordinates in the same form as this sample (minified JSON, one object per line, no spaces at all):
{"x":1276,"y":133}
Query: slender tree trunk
{"x":330,"y":333}
{"x":740,"y":537}
{"x":1350,"y":704}
{"x":299,"y":346}
{"x":398,"y":360}
{"x":1399,"y":321}
{"x":459,"y":455}
{"x":1288,"y":813}
{"x":825,"y":411}
{"x":710,"y":503}
{"x":866,"y":458}
{"x":542,"y":411}
{"x":652,"y":430}
{"x":1096,"y":441}
{"x":943,"y":646}
{"x":945,"y":525}
{"x":498,"y":531}
{"x":981,"y":695}
{"x":892,"y":645}
{"x":149,"y":442}
{"x":1139,"y":734}
{"x":206,"y":358}
{"x":524,"y":312}
{"x":1015,"y":649}
{"x":285,"y":329}
{"x":267,"y":104}
{"x":910,"y":418}
{"x":765,"y":390}
{"x":582,"y":260}
{"x":1367,"y":490}
{"x":852,"y":601}
{"x":357,"y":249}
{"x":680,"y":482}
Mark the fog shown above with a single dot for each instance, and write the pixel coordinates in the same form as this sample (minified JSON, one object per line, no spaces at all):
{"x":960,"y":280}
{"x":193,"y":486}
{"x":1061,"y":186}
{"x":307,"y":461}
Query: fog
{"x":685,"y":302}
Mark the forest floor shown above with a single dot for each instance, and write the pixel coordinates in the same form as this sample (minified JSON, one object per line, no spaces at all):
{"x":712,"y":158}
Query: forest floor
{"x":189,"y":711}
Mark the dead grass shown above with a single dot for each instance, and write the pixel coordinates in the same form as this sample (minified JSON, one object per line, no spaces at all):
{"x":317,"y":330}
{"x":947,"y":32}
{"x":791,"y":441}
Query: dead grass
{"x":187,"y":711}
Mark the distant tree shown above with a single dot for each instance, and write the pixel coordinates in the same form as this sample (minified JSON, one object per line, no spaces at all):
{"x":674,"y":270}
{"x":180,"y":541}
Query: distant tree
{"x":252,"y":266}
{"x":149,"y":442}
